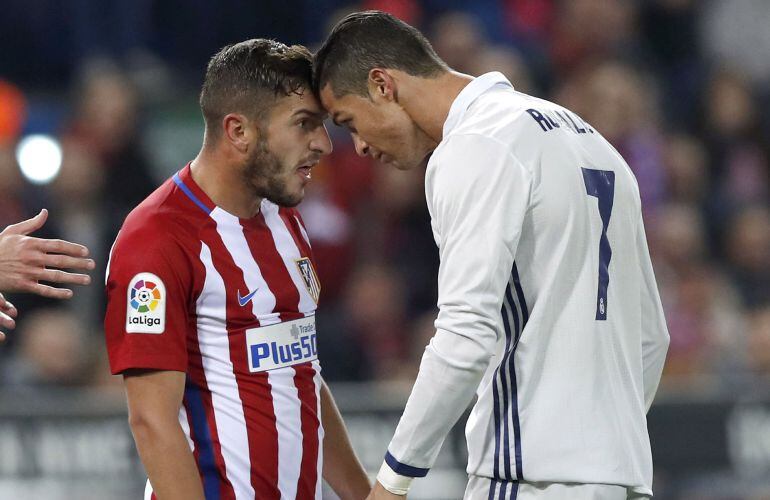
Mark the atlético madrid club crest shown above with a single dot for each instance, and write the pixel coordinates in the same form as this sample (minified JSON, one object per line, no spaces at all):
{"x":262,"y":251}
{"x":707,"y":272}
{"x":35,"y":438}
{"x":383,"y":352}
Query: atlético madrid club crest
{"x":309,"y":276}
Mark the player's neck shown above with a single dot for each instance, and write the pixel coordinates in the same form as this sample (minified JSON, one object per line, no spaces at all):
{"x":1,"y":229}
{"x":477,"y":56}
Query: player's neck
{"x":430,"y":99}
{"x":224,"y":184}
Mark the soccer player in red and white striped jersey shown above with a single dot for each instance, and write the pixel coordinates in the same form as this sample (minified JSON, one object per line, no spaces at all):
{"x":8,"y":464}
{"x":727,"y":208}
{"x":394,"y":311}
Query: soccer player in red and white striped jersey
{"x":212,"y":294}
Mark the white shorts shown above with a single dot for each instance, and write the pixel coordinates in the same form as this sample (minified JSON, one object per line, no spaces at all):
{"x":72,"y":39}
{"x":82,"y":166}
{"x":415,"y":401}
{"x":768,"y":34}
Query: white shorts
{"x":484,"y":488}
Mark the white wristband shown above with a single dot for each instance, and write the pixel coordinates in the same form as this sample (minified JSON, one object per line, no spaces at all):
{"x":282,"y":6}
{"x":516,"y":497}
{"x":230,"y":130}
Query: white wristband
{"x":394,"y":483}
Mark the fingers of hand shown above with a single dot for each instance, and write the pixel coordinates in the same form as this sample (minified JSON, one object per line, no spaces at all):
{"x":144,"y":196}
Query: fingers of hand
{"x":58,"y":276}
{"x":8,"y":308}
{"x":28,"y":226}
{"x":67,"y":262}
{"x":6,"y":321}
{"x":62,"y":247}
{"x":50,"y":292}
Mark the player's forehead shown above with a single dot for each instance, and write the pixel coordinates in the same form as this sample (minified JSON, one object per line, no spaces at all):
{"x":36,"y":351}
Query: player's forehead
{"x":341,"y":108}
{"x":303,"y":102}
{"x":332,"y":102}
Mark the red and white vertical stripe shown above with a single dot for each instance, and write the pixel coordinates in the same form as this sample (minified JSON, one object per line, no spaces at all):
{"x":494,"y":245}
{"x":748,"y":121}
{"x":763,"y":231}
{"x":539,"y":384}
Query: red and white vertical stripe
{"x":266,"y":424}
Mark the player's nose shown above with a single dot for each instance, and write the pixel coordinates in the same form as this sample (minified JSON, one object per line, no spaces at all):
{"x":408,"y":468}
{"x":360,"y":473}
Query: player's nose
{"x":321,"y":142}
{"x":362,"y":148}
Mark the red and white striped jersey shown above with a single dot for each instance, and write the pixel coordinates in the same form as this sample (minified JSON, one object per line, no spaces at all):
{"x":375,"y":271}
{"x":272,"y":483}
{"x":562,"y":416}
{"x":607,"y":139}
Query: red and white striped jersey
{"x":231,"y":303}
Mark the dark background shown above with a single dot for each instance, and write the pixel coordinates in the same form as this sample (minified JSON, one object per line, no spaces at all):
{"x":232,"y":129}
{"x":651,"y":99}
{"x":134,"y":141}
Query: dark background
{"x":680,"y":88}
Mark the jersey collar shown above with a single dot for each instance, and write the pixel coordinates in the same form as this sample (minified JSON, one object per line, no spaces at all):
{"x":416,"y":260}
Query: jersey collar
{"x":470,"y":93}
{"x":183,"y":179}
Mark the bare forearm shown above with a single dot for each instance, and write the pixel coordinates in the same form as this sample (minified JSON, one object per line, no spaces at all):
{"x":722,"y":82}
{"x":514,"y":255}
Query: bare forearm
{"x":341,"y":469}
{"x":168,"y":461}
{"x":154,"y":398}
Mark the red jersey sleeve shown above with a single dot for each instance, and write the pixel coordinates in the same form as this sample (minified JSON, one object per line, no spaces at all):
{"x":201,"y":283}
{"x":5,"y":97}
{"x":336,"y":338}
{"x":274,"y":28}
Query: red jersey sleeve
{"x":150,"y":301}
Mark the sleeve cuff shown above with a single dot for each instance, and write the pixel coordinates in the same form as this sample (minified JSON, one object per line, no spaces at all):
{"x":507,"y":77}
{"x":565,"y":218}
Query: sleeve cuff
{"x":403,"y":469}
{"x":394,"y":483}
{"x":397,"y":477}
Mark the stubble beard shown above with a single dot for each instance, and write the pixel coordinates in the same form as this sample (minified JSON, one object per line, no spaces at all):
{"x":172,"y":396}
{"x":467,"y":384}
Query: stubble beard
{"x":264,"y":174}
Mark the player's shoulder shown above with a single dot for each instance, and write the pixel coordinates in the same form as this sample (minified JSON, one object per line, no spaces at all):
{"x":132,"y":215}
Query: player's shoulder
{"x":161,"y":219}
{"x":494,"y":121}
{"x":491,"y":121}
{"x":154,"y":214}
{"x":526,"y":125}
{"x":494,"y":113}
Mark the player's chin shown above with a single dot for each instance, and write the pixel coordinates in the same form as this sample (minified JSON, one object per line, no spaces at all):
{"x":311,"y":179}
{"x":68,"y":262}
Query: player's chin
{"x":405,"y":162}
{"x":404,"y":165}
{"x":293,"y":202}
{"x":296,"y":196}
{"x":290,"y":199}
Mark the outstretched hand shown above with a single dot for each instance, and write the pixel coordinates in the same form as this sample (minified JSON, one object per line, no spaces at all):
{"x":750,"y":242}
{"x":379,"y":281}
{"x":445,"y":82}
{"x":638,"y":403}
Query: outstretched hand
{"x":25,"y":261}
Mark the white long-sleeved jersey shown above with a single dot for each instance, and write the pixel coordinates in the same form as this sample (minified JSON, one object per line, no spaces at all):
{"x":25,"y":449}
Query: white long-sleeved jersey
{"x":548,"y":307}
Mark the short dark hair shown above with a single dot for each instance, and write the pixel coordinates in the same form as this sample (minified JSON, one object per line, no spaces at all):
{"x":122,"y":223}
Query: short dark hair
{"x":370,"y":39}
{"x":249,"y":76}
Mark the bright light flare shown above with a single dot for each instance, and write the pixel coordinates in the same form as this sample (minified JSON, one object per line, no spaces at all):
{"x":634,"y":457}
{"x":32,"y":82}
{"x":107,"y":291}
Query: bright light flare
{"x":39,"y":158}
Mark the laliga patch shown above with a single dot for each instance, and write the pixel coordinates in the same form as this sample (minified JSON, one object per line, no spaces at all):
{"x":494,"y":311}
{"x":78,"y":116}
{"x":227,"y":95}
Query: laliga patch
{"x":146,"y":304}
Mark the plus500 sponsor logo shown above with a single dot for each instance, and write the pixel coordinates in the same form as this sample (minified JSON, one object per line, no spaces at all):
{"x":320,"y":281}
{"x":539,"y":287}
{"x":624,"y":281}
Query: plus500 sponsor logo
{"x":269,"y":355}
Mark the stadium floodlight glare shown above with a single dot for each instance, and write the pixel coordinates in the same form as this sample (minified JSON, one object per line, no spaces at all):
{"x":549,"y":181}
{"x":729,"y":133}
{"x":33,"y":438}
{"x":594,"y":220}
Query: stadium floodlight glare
{"x":39,"y":158}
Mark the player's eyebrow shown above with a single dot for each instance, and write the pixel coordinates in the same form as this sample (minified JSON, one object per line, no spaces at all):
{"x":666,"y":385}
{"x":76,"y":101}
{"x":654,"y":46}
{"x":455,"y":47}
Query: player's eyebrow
{"x":321,"y":115}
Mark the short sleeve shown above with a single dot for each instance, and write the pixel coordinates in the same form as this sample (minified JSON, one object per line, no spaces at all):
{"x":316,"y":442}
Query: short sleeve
{"x":149,"y":288}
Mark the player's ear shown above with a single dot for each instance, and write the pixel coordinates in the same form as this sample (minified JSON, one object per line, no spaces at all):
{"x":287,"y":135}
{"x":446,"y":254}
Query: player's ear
{"x":236,"y":131}
{"x":381,"y":85}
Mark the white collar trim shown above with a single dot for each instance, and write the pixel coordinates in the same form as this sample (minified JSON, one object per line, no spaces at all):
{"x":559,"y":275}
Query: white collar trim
{"x":470,"y":93}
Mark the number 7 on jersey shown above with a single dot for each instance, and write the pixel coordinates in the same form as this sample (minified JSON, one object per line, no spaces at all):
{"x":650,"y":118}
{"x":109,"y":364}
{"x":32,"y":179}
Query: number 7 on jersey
{"x":601,"y":184}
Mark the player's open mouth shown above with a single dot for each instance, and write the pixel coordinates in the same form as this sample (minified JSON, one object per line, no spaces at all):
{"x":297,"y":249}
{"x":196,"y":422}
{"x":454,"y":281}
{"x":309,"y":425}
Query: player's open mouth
{"x":304,"y":172}
{"x":304,"y":169}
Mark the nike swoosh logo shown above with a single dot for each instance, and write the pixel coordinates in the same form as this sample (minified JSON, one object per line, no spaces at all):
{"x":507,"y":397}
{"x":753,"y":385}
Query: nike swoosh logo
{"x":245,"y":300}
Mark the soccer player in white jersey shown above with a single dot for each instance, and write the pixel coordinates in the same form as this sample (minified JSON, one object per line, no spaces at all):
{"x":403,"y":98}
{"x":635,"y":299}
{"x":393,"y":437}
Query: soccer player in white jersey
{"x":212,"y":295}
{"x":548,"y":307}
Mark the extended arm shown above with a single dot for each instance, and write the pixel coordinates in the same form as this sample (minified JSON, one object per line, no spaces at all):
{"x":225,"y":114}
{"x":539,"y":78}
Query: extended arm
{"x":478,"y":197}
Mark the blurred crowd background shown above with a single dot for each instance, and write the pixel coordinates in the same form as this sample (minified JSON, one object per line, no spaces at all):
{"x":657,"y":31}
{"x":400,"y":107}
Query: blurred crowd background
{"x":679,"y":87}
